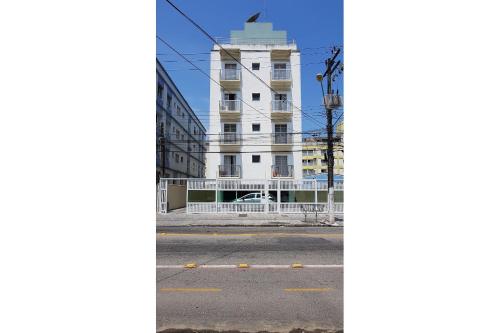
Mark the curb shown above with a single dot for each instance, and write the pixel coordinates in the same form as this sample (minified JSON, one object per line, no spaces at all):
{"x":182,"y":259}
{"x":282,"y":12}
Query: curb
{"x":252,"y":225}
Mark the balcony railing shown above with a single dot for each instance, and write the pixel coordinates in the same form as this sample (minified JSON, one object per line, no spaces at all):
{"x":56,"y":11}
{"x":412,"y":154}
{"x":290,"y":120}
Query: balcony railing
{"x":280,"y":75}
{"x":278,"y":171}
{"x":230,"y":138}
{"x":229,"y":105}
{"x":230,"y":74}
{"x":281,"y":106}
{"x":231,"y":170}
{"x":282,"y":138}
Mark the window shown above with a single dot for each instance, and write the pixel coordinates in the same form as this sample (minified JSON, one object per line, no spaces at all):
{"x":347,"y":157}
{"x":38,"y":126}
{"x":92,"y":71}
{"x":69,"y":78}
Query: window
{"x":256,"y":97}
{"x":182,"y":158}
{"x":178,"y":111}
{"x":182,"y":137}
{"x":177,"y":158}
{"x":255,"y":66}
{"x":255,"y":158}
{"x":229,"y":128}
{"x":255,"y":127}
{"x":177,"y":134}
{"x":159,"y":91}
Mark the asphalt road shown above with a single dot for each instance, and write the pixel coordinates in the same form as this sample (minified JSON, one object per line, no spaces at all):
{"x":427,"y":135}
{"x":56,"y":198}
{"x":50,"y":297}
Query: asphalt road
{"x":269,"y":295}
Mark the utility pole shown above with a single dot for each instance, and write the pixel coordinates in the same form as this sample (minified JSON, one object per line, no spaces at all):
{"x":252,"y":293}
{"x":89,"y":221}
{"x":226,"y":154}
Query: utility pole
{"x":330,"y":102}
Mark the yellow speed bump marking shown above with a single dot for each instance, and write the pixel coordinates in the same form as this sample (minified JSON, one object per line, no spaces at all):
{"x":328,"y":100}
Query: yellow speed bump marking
{"x":243,"y":266}
{"x":308,"y":289}
{"x":297,"y":265}
{"x":190,"y":289}
{"x":190,"y":265}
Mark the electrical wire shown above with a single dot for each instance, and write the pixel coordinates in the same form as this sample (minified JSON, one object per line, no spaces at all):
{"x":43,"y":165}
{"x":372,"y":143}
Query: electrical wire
{"x":222,"y":48}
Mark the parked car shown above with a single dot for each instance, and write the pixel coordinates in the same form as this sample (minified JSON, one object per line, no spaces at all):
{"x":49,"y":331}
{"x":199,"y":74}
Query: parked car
{"x":254,"y":198}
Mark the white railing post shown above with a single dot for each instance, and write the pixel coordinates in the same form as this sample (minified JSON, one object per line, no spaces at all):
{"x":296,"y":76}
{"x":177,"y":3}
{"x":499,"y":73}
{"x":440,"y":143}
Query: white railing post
{"x":217,"y":195}
{"x":187,"y":196}
{"x":315,"y":193}
{"x":278,"y":187}
{"x":266,"y":193}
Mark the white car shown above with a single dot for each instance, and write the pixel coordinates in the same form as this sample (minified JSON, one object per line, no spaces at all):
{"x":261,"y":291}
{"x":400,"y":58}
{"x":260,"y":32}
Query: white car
{"x":254,"y":198}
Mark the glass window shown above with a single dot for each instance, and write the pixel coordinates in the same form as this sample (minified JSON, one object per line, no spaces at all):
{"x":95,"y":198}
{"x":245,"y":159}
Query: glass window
{"x":255,"y":127}
{"x":255,"y":158}
{"x":255,"y":96}
{"x":255,"y":66}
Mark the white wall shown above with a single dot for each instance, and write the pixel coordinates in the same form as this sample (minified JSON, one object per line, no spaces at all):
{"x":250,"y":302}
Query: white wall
{"x":250,"y":84}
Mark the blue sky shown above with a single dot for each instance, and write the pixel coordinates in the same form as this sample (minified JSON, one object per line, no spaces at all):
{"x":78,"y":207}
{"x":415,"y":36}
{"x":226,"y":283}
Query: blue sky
{"x":314,"y":25}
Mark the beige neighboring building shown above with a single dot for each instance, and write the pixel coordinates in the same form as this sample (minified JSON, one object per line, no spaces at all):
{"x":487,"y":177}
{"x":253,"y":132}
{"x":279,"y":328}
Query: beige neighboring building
{"x":314,"y":156}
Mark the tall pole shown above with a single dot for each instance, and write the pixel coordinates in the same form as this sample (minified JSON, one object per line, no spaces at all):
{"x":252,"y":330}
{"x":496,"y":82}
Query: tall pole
{"x":329,"y":105}
{"x":329,"y":129}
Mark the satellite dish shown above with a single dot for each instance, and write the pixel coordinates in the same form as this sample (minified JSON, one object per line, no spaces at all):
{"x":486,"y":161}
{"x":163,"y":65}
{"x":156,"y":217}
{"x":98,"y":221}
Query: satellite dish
{"x":253,"y":18}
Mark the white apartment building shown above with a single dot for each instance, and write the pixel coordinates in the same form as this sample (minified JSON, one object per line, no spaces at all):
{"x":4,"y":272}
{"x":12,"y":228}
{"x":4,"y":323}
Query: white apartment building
{"x":180,"y":135}
{"x":259,"y":138}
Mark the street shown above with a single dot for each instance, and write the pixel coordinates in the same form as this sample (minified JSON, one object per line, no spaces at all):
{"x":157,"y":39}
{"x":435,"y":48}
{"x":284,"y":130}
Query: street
{"x":268,"y":295}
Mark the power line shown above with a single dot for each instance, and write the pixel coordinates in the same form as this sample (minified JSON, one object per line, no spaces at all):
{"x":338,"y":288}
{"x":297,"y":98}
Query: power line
{"x":207,"y":75}
{"x":220,"y":46}
{"x":218,"y":69}
{"x":259,"y":133}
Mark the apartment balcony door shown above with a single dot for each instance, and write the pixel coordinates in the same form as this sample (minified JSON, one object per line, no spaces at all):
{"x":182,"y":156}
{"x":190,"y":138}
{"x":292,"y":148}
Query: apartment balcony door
{"x":230,"y":72}
{"x":280,"y":102}
{"x":230,"y":165}
{"x":280,"y":133}
{"x":281,"y":165}
{"x":230,"y":101}
{"x":230,"y":133}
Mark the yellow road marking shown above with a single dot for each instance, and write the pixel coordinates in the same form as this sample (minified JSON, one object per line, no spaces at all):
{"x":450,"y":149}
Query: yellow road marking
{"x":190,"y":265}
{"x":190,"y":289}
{"x":168,"y":234}
{"x":243,"y":266}
{"x":297,"y":265}
{"x":308,"y":289}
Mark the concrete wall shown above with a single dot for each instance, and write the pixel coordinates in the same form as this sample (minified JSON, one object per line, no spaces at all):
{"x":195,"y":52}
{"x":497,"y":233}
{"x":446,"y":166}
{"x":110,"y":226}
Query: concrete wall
{"x":176,"y":196}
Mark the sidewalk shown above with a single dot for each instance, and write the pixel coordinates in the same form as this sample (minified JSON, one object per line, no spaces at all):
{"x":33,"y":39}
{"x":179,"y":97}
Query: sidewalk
{"x":180,"y":218}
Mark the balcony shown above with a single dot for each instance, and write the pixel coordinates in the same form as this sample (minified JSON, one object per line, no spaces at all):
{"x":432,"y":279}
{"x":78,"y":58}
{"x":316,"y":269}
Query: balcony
{"x":230,"y":109}
{"x":230,"y":79}
{"x":281,"y":109}
{"x":229,"y":171}
{"x":230,"y":138}
{"x":281,"y":141}
{"x":282,"y":171}
{"x":281,"y":79}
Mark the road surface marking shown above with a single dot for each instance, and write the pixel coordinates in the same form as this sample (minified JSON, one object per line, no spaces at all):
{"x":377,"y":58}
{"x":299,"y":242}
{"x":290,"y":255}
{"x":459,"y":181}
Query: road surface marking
{"x":190,"y":265}
{"x":249,"y":266}
{"x":218,"y":266}
{"x":243,"y":266}
{"x":323,"y":266}
{"x":265,"y":234}
{"x":308,"y":289}
{"x":297,"y":265}
{"x":190,"y":289}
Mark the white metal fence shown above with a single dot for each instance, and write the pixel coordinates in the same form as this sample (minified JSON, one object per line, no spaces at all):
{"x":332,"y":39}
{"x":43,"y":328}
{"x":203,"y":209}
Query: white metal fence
{"x":210,"y":201}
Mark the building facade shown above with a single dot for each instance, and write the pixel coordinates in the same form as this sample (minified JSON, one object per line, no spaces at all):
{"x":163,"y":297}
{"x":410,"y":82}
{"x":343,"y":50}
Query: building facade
{"x":255,"y":131}
{"x":314,"y":159}
{"x":180,"y":136}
